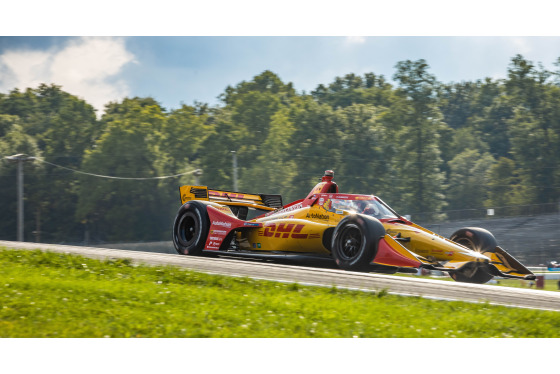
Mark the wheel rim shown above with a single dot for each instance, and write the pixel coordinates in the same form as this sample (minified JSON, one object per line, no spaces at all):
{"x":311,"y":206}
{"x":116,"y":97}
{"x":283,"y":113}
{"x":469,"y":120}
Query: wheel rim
{"x":187,"y":230}
{"x":350,"y":242}
{"x":479,"y":275}
{"x":467,"y":243}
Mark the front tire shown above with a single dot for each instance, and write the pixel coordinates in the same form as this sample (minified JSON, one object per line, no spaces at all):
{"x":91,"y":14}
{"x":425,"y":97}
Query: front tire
{"x":354,"y":242}
{"x":478,"y":240}
{"x":190,"y":229}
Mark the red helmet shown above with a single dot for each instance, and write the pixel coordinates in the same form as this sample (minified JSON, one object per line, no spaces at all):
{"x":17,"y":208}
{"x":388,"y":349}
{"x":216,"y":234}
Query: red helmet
{"x":329,"y":175}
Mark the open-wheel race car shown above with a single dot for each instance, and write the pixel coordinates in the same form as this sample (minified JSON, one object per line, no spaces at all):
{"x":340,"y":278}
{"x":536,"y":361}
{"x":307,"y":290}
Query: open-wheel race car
{"x":360,"y":232}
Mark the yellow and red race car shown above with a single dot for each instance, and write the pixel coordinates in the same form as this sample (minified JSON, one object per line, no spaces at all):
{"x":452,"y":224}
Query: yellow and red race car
{"x":360,"y":232}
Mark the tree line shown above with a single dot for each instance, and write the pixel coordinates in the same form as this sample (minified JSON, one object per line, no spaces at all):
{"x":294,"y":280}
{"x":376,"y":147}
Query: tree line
{"x":423,"y":146}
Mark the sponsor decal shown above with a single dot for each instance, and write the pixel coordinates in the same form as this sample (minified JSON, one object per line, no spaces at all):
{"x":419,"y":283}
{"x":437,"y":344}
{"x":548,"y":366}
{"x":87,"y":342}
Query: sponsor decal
{"x":339,"y":211}
{"x":215,"y":238}
{"x":254,"y":245}
{"x":289,"y":209}
{"x":450,"y":253}
{"x":321,"y":201}
{"x":363,"y":198}
{"x":326,"y":204}
{"x":218,"y":232}
{"x":341,"y":197}
{"x":317,"y":216}
{"x":222,"y":208}
{"x":284,"y":230}
{"x":258,"y":245}
{"x":225,"y":194}
{"x":224,"y":224}
{"x":251,"y":224}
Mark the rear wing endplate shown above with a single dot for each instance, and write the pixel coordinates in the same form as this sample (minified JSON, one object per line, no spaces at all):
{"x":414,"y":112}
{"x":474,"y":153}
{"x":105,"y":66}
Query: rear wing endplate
{"x":229,"y":198}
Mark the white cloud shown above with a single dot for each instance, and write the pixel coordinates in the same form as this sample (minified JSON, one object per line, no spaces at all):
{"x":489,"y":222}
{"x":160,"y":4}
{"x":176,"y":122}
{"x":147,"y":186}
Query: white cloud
{"x":87,"y":67}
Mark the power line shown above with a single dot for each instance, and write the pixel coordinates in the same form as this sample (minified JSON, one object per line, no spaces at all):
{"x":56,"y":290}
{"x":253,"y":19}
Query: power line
{"x":113,"y":177}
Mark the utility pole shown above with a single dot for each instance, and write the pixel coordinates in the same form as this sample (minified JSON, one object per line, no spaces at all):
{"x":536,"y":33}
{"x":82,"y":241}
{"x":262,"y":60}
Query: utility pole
{"x":20,"y":159}
{"x":197,"y":173}
{"x":234,"y":154}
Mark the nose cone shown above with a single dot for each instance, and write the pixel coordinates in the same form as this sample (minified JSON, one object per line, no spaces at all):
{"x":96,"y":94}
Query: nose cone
{"x":430,"y":244}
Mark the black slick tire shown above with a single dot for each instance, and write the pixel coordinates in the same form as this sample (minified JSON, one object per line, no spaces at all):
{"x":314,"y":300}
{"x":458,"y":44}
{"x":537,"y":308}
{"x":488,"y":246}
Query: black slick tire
{"x":478,"y":240}
{"x":190,"y":229}
{"x":354,"y":242}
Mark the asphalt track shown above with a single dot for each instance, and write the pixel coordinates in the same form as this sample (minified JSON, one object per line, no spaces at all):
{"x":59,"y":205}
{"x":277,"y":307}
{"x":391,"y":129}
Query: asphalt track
{"x":290,"y":270}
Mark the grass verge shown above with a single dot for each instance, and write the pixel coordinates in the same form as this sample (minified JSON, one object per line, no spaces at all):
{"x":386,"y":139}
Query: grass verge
{"x":44,"y":294}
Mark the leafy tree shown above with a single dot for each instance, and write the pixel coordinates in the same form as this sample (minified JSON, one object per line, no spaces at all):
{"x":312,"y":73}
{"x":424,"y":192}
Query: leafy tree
{"x":366,"y":152}
{"x":352,"y":89}
{"x":534,"y":129}
{"x":130,"y":147}
{"x":503,"y":184}
{"x":242,"y":126}
{"x":275,"y":169}
{"x":215,"y":154}
{"x":63,"y":127}
{"x":468,"y":179}
{"x":15,"y":141}
{"x":419,"y":162}
{"x":315,"y":143}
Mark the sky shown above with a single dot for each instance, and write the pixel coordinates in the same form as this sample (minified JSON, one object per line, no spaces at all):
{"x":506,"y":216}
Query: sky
{"x":221,"y":49}
{"x":182,"y":70}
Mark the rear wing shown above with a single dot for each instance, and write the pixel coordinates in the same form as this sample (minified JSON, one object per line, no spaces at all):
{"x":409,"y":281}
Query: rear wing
{"x":262,"y":201}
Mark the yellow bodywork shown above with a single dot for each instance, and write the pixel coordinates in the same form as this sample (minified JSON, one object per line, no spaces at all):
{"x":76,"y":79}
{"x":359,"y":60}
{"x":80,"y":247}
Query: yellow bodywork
{"x":431,"y":245}
{"x":224,"y":197}
{"x":297,"y":230}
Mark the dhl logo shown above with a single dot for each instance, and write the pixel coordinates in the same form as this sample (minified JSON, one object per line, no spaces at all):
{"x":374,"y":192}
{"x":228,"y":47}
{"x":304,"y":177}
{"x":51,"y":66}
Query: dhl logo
{"x":225,"y":194}
{"x":284,"y":230}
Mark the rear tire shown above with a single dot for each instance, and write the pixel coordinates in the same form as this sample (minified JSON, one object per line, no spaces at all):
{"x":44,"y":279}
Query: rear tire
{"x":478,"y":240}
{"x":190,"y":229}
{"x":354,"y":242}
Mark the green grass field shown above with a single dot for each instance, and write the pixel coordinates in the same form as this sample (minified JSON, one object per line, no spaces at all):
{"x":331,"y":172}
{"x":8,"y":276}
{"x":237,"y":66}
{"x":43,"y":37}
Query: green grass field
{"x":46,"y":294}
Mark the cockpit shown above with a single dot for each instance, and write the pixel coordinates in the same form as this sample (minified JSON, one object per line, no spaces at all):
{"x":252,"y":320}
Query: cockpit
{"x":370,"y":207}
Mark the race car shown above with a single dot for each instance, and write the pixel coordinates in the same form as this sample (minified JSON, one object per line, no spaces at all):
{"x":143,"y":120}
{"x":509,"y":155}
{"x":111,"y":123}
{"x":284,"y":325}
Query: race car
{"x":553,"y":266}
{"x":360,"y":232}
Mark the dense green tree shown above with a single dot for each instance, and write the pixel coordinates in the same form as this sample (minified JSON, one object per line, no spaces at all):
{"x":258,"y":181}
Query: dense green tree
{"x":275,"y":169}
{"x":367,"y":168}
{"x":315,"y":144}
{"x":352,"y":89}
{"x":483,"y":143}
{"x":468,"y":179}
{"x":16,"y":141}
{"x":535,"y":129}
{"x":130,"y":147}
{"x":421,"y":181}
{"x":6,"y":123}
{"x":63,"y":126}
{"x":243,"y":126}
{"x":503,"y":184}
